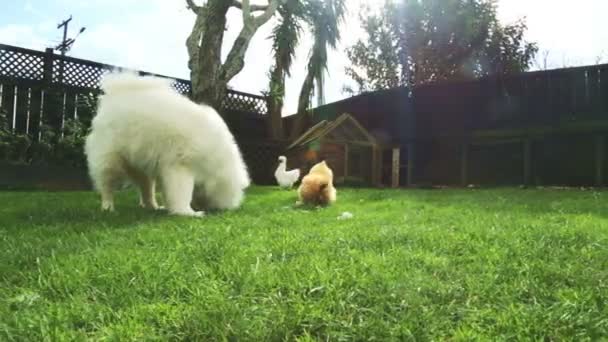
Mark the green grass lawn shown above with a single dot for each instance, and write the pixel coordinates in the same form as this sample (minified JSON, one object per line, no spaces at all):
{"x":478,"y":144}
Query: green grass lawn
{"x":410,"y":265}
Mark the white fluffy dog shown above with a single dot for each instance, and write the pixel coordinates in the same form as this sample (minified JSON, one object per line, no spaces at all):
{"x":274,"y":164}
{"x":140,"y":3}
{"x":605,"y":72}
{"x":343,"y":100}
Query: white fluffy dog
{"x":144,"y":131}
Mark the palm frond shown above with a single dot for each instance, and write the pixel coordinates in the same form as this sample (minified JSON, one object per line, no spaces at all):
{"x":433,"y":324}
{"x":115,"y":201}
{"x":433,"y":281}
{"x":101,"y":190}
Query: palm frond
{"x":286,"y":35}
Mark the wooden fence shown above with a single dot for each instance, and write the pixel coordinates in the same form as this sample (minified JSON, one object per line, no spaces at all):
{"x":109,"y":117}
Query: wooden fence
{"x":544,"y":127}
{"x":39,"y":88}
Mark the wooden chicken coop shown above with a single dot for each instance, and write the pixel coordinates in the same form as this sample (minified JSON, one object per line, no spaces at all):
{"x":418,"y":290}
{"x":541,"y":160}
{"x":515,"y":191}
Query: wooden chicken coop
{"x":353,"y":154}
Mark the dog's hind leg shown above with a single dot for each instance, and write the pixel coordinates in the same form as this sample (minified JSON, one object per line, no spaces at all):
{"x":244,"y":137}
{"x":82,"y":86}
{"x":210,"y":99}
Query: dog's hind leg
{"x":147,"y":194}
{"x":107,"y":173}
{"x":107,"y":199}
{"x":147,"y":188}
{"x":178,"y":186}
{"x":106,"y":186}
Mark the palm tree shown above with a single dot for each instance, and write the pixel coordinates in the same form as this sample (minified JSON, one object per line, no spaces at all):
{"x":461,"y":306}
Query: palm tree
{"x":285,"y":36}
{"x":323,"y":17}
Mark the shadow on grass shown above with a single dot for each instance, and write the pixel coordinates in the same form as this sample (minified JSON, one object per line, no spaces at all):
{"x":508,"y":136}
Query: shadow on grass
{"x":73,"y":210}
{"x":511,"y":200}
{"x":80,"y":210}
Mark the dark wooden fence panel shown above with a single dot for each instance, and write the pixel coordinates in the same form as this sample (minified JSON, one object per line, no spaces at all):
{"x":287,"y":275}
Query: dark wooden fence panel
{"x":439,"y":118}
{"x":23,"y":108}
{"x":508,"y":100}
{"x":536,"y":93}
{"x":548,"y":107}
{"x":8,"y":101}
{"x":437,"y":162}
{"x":386,"y":114}
{"x":245,"y":125}
{"x":52,"y":111}
{"x":450,"y":110}
{"x":564,"y":160}
{"x":594,"y":94}
{"x":35,"y":107}
{"x":496,"y":164}
{"x":558,"y":85}
{"x":261,"y":159}
{"x":604,"y":89}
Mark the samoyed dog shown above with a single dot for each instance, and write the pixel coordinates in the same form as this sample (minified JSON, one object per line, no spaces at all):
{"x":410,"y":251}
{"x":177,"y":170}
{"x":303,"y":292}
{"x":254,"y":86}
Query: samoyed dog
{"x":145,"y":132}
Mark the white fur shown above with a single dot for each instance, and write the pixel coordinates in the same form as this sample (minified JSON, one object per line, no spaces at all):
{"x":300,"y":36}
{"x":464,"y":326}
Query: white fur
{"x":145,"y":132}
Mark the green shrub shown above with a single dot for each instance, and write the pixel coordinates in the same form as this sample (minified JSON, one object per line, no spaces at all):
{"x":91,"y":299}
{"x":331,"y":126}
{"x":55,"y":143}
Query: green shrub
{"x":69,"y":149}
{"x":13,"y":146}
{"x":51,"y":148}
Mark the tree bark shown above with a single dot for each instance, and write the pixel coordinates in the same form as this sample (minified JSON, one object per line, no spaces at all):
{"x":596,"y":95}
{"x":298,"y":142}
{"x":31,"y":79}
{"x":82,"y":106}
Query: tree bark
{"x":303,"y":103}
{"x":275,"y":108}
{"x":205,"y":58}
{"x":208,"y":75}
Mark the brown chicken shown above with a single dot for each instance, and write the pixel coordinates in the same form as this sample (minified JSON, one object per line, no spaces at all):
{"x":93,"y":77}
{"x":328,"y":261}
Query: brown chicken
{"x":317,"y":186}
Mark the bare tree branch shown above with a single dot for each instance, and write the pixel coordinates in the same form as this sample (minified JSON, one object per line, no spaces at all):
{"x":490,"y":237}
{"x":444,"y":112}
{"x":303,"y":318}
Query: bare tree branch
{"x":246,"y":8}
{"x":599,"y":59}
{"x":194,"y":39}
{"x":193,"y":43}
{"x":192,"y":6}
{"x":235,"y":60}
{"x":208,"y":75}
{"x":269,"y":12}
{"x":252,"y":8}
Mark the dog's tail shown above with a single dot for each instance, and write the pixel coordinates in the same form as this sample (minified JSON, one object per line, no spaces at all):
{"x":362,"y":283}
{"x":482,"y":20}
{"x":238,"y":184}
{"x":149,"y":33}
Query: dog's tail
{"x":122,"y":82}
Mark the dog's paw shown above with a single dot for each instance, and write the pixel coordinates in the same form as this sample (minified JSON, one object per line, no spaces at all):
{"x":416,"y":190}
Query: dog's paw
{"x":195,"y":214}
{"x":107,"y":206}
{"x":156,"y":207}
{"x":152,"y":207}
{"x":190,"y":213}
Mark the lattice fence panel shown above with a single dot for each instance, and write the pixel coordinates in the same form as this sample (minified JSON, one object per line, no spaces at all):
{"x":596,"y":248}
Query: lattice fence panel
{"x":183,"y":87}
{"x":21,"y":65}
{"x":51,"y":86}
{"x":77,"y":74}
{"x":244,"y":102}
{"x":180,"y":85}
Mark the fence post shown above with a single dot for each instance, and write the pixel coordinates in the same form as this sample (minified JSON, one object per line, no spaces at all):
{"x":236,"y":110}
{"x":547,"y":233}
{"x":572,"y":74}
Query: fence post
{"x":47,"y":67}
{"x":527,"y":161}
{"x":600,"y":151}
{"x":396,"y":167}
{"x":410,"y":164}
{"x":345,"y":161}
{"x":464,"y":164}
{"x":376,"y":166}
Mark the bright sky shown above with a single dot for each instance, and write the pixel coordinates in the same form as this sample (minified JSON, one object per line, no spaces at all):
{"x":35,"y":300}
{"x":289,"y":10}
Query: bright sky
{"x":151,"y":38}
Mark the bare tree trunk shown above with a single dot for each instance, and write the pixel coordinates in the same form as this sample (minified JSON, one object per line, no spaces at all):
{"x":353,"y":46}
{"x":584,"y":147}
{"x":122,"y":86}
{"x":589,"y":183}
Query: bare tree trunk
{"x":206,"y":84}
{"x":303,"y":104}
{"x":277,"y":93}
{"x":208,"y":75}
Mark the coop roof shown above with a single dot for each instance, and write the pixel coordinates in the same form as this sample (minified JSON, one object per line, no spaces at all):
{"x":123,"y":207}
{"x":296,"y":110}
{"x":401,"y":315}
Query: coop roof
{"x":345,"y":129}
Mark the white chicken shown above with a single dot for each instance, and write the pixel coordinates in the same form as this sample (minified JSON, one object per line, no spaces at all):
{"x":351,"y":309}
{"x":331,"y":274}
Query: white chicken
{"x":285,"y":178}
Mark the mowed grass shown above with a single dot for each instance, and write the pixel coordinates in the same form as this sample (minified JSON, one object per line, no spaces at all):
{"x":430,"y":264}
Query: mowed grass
{"x":410,"y":265}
